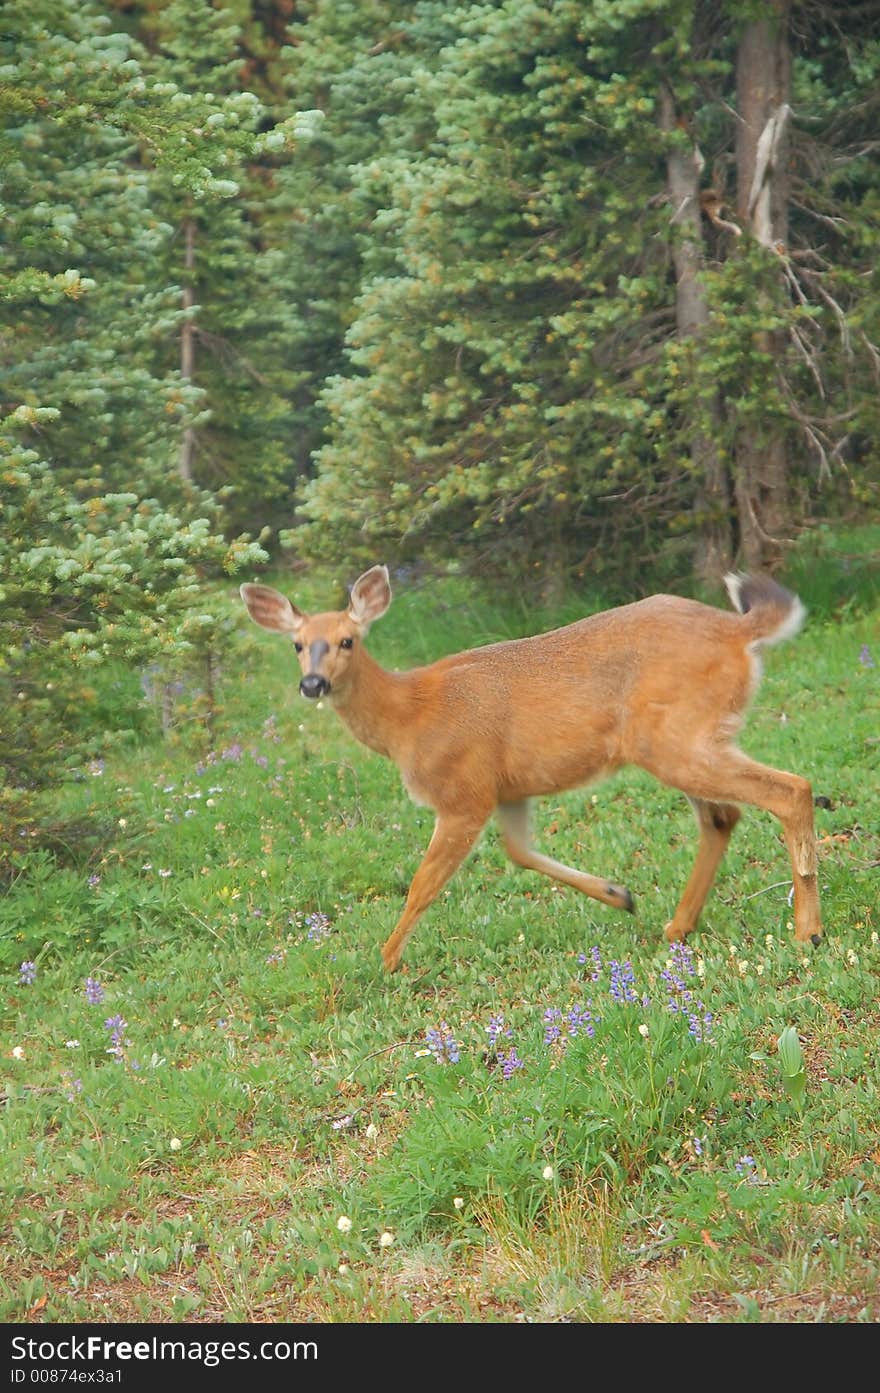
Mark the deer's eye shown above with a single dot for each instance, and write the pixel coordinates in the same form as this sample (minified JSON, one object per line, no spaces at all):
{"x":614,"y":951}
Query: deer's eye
{"x":347,"y":643}
{"x":298,"y":647}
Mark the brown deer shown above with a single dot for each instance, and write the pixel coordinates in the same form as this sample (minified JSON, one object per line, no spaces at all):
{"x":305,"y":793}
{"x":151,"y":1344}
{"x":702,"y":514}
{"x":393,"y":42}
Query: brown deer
{"x":662,"y":683}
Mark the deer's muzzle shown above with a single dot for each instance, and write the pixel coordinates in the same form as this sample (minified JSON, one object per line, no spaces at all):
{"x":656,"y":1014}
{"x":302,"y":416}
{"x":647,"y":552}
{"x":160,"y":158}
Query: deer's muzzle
{"x":314,"y":685}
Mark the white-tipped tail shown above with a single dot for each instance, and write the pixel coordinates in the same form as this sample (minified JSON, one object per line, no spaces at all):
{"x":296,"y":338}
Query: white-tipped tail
{"x":774,"y":613}
{"x":733,"y":582}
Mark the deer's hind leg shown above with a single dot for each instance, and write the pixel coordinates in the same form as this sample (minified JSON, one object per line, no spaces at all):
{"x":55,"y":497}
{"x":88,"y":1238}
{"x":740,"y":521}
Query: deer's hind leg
{"x":724,"y":775}
{"x":716,"y":822}
{"x":515,"y":822}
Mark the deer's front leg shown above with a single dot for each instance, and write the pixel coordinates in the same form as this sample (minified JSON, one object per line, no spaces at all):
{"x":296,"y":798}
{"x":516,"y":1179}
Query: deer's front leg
{"x":454,"y":835}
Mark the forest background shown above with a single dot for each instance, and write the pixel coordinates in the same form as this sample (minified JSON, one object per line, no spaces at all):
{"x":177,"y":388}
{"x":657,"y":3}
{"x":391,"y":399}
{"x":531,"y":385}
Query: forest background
{"x":546,"y":305}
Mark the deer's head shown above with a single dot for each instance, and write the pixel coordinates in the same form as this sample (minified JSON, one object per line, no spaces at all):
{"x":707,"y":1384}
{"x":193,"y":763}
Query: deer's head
{"x":326,"y":644}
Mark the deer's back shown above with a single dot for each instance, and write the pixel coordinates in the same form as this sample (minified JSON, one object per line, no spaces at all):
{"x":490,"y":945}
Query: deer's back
{"x":540,"y":714}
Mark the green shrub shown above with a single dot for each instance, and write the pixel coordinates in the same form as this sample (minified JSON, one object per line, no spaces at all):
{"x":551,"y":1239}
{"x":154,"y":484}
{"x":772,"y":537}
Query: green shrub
{"x":113,"y":580}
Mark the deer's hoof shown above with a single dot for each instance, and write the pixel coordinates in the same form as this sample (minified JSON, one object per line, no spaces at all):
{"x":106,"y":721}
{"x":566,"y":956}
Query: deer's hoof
{"x":674,"y":934}
{"x":391,"y":960}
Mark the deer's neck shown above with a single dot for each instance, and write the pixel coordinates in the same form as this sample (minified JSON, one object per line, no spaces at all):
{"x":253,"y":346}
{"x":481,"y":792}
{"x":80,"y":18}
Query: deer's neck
{"x":376,"y":706}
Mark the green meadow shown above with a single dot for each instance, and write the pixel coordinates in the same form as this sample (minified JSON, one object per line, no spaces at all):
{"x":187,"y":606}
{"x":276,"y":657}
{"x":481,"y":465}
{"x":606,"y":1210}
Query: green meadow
{"x":218,"y":1107}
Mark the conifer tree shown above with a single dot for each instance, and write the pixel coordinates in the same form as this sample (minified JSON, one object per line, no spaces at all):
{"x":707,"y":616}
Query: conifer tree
{"x":521,"y":385}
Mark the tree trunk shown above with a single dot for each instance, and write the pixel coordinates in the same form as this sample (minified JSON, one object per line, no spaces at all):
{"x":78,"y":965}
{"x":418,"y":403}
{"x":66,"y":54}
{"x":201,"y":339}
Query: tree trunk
{"x":763,"y":82}
{"x":683,"y":168}
{"x":188,"y":343}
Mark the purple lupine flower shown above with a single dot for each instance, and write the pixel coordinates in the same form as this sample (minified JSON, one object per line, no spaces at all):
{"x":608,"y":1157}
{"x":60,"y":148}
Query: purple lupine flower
{"x":745,"y":1165}
{"x":697,"y":1143}
{"x":262,"y":761}
{"x":443,"y":1045}
{"x":700,"y":1023}
{"x":552,"y":1025}
{"x":27,"y":973}
{"x":232,"y":752}
{"x":680,"y":997}
{"x":679,"y":963}
{"x":94,"y":881}
{"x":562,"y":1026}
{"x":594,"y":961}
{"x":510,"y":1062}
{"x":865,"y":656}
{"x":117,"y":1027}
{"x":578,"y":1019}
{"x":622,"y":978}
{"x":495,"y":1029}
{"x":94,"y":991}
{"x":275,"y":959}
{"x":318,"y":927}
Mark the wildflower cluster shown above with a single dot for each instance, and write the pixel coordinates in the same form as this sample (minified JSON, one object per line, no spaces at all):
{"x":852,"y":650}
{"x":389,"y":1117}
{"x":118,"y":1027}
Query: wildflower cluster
{"x":594,"y":961}
{"x":235,"y":753}
{"x":622,"y":987}
{"x":270,"y":730}
{"x":117,"y":1027}
{"x":27,"y":973}
{"x":71,"y":1085}
{"x":509,"y":1060}
{"x":562,"y":1026}
{"x":679,"y":974}
{"x":495,"y":1029}
{"x":442,"y":1044}
{"x":318,"y":926}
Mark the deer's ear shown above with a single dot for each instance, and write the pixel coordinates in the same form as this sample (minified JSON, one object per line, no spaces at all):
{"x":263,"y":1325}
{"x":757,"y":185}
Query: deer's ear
{"x":271,"y":610}
{"x":370,"y":596}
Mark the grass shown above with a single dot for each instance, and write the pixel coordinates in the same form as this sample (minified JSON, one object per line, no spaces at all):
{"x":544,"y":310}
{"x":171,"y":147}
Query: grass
{"x":193,"y":1164}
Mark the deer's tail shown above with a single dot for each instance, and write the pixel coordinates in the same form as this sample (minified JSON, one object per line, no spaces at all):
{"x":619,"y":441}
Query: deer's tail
{"x":771,"y":612}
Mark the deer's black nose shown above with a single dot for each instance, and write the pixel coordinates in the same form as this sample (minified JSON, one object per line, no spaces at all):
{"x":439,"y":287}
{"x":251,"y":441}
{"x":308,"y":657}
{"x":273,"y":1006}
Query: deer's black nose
{"x":314,"y":685}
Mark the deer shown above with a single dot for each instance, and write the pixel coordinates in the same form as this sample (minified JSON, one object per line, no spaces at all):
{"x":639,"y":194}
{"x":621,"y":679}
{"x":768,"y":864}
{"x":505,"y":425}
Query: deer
{"x":662,"y":683}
